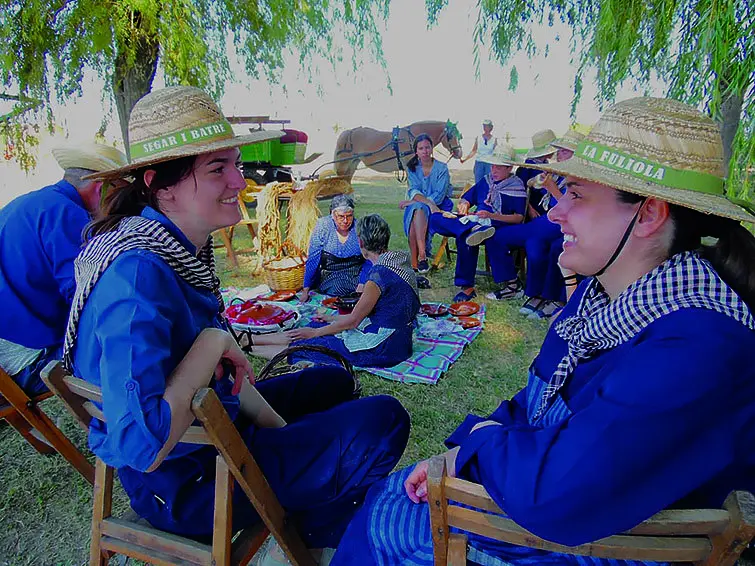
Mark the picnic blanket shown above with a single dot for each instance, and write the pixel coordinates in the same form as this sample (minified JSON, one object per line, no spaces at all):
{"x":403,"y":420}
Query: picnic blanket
{"x":432,"y":354}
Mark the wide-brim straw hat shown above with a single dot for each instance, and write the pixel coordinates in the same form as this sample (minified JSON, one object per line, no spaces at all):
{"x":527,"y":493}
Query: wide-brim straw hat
{"x":88,"y":155}
{"x":502,"y":155}
{"x":570,"y":140}
{"x":656,"y":147}
{"x":541,"y":144}
{"x":178,"y":121}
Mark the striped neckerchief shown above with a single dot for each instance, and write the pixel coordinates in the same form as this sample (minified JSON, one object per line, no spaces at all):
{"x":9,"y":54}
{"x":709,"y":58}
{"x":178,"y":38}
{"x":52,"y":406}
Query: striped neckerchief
{"x":683,"y":281}
{"x":398,"y":262}
{"x":134,"y":233}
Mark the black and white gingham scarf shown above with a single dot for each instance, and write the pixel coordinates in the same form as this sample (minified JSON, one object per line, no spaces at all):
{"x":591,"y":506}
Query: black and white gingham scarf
{"x":132,"y":233}
{"x":683,"y":281}
{"x":398,"y":262}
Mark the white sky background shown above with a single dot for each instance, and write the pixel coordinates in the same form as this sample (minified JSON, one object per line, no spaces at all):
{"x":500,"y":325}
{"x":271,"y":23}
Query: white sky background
{"x":432,"y":74}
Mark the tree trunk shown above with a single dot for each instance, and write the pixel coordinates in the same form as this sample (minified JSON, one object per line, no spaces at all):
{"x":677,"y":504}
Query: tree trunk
{"x":133,"y":80}
{"x":728,"y":116}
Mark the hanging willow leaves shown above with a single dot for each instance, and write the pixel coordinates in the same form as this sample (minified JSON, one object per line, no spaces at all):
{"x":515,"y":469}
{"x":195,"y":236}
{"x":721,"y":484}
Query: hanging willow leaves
{"x":47,"y":46}
{"x":704,"y":50}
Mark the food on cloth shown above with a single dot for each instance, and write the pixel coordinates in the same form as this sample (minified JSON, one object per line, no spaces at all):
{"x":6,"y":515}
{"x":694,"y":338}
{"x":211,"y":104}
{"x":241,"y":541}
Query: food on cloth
{"x":464,"y":308}
{"x":256,"y":313}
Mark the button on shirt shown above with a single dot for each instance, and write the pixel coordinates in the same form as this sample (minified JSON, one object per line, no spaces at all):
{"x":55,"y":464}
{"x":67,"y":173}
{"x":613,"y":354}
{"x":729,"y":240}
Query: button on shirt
{"x":40,"y":236}
{"x":137,"y":325}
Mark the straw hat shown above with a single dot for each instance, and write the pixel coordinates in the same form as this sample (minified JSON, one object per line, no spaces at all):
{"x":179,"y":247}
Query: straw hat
{"x":541,"y":144}
{"x":570,"y":140}
{"x":178,"y":121}
{"x":502,"y":155}
{"x":88,"y":155}
{"x":656,"y":147}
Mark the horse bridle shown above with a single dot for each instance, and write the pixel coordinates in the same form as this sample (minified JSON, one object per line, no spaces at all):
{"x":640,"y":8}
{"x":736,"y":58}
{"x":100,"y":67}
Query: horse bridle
{"x":448,"y":131}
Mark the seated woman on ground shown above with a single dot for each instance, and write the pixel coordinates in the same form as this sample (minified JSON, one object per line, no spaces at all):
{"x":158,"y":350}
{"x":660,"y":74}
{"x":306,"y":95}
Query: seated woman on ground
{"x":335,"y":265}
{"x":542,"y":240}
{"x":642,"y":397}
{"x":499,"y":200}
{"x":378,"y":332}
{"x":147,"y":327}
{"x":429,"y":191}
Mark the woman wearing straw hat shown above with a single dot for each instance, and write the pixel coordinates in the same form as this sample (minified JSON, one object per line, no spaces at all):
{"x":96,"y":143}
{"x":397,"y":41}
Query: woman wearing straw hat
{"x":540,"y":152}
{"x":484,"y":145}
{"x":541,"y":238}
{"x":147,"y":326}
{"x":499,"y":200}
{"x":642,"y":396}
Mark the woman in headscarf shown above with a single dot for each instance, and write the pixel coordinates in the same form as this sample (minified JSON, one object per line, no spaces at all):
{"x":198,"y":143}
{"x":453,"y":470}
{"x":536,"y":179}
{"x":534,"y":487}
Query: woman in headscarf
{"x":429,"y":191}
{"x":335,"y":265}
{"x":378,"y":332}
{"x":147,"y":326}
{"x":642,"y":396}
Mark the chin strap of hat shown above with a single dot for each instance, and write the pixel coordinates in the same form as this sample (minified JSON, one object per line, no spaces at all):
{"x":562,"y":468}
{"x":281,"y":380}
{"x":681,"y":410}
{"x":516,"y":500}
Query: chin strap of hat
{"x":622,"y":243}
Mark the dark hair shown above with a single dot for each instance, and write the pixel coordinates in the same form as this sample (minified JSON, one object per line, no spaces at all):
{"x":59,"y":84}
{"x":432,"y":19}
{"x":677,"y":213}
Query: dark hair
{"x":732,"y":255}
{"x":130,"y":199}
{"x":374,"y":233}
{"x":414,"y":161}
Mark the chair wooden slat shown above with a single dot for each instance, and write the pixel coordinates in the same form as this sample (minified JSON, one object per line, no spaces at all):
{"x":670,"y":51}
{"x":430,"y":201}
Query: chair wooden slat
{"x":148,"y":537}
{"x":680,"y":549}
{"x":148,"y":555}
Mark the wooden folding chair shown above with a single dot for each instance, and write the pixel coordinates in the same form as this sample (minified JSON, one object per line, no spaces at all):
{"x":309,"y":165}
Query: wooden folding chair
{"x":226,"y":234}
{"x":710,"y":537}
{"x":23,"y":413}
{"x":138,"y":540}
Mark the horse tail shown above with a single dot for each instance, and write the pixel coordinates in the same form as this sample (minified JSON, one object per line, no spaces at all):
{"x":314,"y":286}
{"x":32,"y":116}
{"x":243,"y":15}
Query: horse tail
{"x":344,"y":148}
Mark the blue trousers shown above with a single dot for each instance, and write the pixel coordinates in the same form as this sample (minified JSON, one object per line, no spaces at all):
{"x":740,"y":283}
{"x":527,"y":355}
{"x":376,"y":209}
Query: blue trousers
{"x":320,"y":464}
{"x":466,"y":257}
{"x":29,"y":378}
{"x":480,"y":170}
{"x":541,"y":239}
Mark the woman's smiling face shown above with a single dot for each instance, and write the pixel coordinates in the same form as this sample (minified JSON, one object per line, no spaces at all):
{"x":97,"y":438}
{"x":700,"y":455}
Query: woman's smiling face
{"x":593,"y":221}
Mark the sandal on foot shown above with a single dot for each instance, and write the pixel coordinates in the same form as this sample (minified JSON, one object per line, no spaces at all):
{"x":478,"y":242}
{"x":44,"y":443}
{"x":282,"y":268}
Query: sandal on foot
{"x":547,"y":309}
{"x":461,"y":296}
{"x":510,"y":291}
{"x":531,"y":305}
{"x":423,"y":282}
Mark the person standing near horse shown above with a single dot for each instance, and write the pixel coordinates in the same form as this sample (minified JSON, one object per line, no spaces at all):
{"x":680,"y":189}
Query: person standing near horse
{"x":40,"y":236}
{"x":429,"y":191}
{"x":499,"y":200}
{"x":484,"y":145}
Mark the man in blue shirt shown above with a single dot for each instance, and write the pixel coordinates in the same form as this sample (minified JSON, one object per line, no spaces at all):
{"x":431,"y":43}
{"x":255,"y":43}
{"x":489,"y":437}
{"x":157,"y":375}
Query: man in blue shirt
{"x":40,"y":236}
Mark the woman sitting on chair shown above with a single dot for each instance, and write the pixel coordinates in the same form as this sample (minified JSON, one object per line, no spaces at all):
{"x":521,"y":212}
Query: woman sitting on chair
{"x":429,"y":191}
{"x":335,"y":265}
{"x":378,"y":332}
{"x":147,"y":327}
{"x":642,"y":396}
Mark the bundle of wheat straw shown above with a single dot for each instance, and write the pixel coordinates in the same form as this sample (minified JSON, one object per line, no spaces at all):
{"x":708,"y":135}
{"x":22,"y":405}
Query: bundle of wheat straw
{"x":302,"y":216}
{"x":268,"y":218}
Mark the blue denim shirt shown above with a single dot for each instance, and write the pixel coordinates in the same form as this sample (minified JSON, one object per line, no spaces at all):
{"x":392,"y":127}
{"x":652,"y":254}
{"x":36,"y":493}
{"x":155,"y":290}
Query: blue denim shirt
{"x":40,"y":236}
{"x":137,"y":325}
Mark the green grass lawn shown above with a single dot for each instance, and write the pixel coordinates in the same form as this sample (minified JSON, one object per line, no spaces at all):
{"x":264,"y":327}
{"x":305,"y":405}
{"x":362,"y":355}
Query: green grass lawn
{"x":45,"y":506}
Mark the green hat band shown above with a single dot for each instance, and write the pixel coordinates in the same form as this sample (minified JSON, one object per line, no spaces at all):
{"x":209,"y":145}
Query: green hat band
{"x":648,"y":170}
{"x":211,"y":132}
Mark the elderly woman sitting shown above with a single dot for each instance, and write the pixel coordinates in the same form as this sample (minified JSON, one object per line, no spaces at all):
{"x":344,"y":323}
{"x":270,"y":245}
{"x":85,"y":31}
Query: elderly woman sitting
{"x":378,"y":332}
{"x":335,"y":265}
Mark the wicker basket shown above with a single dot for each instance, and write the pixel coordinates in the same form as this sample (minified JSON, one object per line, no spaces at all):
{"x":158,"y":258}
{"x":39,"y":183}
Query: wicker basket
{"x":286,"y":277}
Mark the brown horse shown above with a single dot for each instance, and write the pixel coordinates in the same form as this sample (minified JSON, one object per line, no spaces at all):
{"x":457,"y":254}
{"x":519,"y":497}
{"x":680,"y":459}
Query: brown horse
{"x":381,"y":151}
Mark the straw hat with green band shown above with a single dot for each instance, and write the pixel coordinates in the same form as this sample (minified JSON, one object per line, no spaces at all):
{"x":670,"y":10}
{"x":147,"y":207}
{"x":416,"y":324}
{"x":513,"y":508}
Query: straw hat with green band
{"x":178,"y":121}
{"x":541,"y":144}
{"x":657,"y":147}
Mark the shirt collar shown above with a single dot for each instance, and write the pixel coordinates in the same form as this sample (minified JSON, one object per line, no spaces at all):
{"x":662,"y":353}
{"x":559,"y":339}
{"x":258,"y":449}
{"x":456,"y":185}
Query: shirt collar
{"x":152,"y":214}
{"x":70,"y":192}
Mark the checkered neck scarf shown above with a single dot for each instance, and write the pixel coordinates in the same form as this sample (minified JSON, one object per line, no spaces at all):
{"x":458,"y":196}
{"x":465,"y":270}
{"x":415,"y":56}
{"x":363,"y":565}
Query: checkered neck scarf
{"x":398,"y":262}
{"x":136,"y":233}
{"x":683,"y":281}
